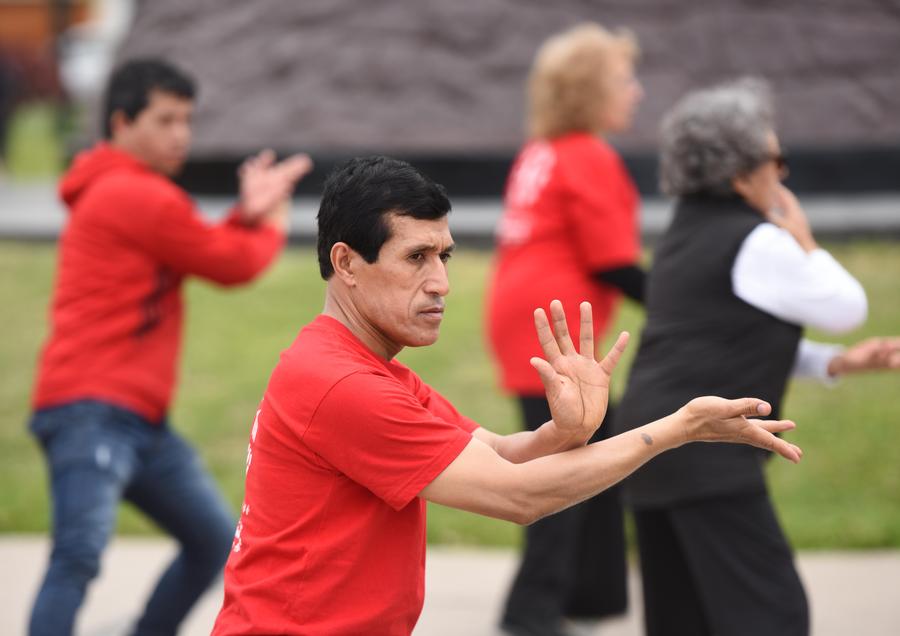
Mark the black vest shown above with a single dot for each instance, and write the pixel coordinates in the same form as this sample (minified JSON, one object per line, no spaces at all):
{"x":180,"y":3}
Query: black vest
{"x":701,"y":339}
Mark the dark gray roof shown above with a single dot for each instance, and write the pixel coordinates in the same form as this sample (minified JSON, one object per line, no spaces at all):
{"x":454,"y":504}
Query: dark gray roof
{"x":445,"y":77}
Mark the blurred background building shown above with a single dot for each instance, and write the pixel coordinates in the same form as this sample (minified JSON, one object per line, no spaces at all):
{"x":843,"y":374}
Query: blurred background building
{"x":442,"y":83}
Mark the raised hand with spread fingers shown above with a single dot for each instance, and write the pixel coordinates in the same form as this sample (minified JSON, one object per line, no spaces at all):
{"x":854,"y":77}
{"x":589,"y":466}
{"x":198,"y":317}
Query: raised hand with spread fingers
{"x":266,"y":186}
{"x":576,"y":383}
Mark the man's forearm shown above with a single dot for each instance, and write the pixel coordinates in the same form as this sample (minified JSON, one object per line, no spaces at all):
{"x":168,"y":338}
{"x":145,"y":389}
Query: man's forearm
{"x":480,"y":480}
{"x":552,"y":483}
{"x":527,"y":445}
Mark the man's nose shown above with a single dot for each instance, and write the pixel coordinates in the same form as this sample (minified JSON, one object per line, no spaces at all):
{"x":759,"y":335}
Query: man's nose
{"x":438,"y":280}
{"x":183,"y":134}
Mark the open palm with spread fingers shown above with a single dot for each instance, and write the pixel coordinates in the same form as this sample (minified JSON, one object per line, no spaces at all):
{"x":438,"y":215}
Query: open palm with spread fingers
{"x":266,"y":185}
{"x":576,"y":383}
{"x":715,"y":419}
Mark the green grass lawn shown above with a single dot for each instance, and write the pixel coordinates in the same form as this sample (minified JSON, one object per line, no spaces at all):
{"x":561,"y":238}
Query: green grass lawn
{"x":35,"y":150}
{"x":845,"y":493}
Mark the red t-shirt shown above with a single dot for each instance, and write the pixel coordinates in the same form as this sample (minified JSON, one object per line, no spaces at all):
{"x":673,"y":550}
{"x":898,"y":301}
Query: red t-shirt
{"x":115,"y":319}
{"x":332,"y":532}
{"x":570,"y":209}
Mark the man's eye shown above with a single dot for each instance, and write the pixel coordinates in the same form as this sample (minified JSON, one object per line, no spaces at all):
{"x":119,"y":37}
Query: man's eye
{"x":418,"y":256}
{"x":446,"y":256}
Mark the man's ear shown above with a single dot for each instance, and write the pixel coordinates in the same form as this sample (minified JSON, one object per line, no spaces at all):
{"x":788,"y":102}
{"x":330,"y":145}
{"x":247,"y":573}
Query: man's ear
{"x":118,"y":122}
{"x":344,"y":261}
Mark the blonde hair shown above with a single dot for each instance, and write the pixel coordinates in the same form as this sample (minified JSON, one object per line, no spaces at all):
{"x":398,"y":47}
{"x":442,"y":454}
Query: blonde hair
{"x":567,"y":85}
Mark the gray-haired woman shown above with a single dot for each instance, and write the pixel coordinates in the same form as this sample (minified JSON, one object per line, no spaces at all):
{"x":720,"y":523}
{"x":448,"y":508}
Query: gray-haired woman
{"x":735,"y":279}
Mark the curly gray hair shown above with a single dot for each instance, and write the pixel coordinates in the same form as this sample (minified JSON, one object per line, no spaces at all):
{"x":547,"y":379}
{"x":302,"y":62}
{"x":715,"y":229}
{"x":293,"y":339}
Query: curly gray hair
{"x":713,"y":135}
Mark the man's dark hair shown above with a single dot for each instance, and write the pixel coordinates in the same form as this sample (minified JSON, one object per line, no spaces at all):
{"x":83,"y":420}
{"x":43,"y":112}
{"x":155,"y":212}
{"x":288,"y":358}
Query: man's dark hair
{"x":130,"y":86}
{"x":360,"y":193}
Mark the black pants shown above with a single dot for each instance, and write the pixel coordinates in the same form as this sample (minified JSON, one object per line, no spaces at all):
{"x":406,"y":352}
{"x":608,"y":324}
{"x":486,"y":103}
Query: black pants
{"x":719,"y":566}
{"x":574,"y":561}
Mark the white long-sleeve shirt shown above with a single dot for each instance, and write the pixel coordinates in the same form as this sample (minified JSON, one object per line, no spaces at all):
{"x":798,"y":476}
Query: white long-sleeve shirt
{"x":774,"y":274}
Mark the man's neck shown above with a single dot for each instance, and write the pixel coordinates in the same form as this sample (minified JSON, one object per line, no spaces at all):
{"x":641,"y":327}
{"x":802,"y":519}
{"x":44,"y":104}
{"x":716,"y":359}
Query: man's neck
{"x":124,"y":148}
{"x":345,"y":313}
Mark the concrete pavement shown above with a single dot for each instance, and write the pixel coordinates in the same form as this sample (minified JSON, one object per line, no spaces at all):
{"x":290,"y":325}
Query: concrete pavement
{"x":851,"y":593}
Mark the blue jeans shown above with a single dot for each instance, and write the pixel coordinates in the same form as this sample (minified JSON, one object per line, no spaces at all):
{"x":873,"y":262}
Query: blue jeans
{"x":99,"y":454}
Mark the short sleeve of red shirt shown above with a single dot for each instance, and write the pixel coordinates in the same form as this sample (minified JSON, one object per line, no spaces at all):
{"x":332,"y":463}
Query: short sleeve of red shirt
{"x":603,"y":202}
{"x":374,"y":431}
{"x":437,"y":403}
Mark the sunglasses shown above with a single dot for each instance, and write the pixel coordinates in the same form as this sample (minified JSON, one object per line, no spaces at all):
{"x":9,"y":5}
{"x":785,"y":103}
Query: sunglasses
{"x":781,"y":164}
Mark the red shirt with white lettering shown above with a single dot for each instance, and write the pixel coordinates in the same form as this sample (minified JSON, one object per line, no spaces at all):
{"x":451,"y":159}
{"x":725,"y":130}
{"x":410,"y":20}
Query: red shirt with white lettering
{"x":331,"y":538}
{"x":570,"y":210}
{"x":115,"y":320}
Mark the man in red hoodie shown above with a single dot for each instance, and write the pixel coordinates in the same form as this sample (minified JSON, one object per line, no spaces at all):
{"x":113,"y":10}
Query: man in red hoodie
{"x":106,"y":373}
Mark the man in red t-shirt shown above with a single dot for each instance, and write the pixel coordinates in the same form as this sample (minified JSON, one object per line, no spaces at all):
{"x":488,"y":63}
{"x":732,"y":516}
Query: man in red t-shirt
{"x":107,"y":370}
{"x":348,"y":444}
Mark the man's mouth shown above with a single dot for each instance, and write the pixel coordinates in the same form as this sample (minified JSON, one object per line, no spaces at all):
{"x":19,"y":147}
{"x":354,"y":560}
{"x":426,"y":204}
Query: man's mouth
{"x":433,"y":312}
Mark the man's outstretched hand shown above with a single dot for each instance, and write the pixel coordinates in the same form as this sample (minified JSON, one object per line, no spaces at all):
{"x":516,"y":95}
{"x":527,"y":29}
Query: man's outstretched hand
{"x":576,"y":384}
{"x":266,"y":186}
{"x":715,"y":419}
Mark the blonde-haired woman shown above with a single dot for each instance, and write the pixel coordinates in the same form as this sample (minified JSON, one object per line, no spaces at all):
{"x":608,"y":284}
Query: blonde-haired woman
{"x":569,"y":230}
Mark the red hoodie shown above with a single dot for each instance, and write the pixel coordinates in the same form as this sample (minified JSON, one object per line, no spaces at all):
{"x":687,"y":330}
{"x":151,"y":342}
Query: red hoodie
{"x":115,"y":321}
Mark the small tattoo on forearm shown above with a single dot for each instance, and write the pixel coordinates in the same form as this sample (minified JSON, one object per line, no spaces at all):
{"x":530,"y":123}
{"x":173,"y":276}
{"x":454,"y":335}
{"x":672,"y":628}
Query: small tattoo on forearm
{"x":647,"y":439}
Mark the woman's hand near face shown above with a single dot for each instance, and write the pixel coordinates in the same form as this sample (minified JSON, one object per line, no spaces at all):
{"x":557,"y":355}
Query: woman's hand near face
{"x":788,"y":214}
